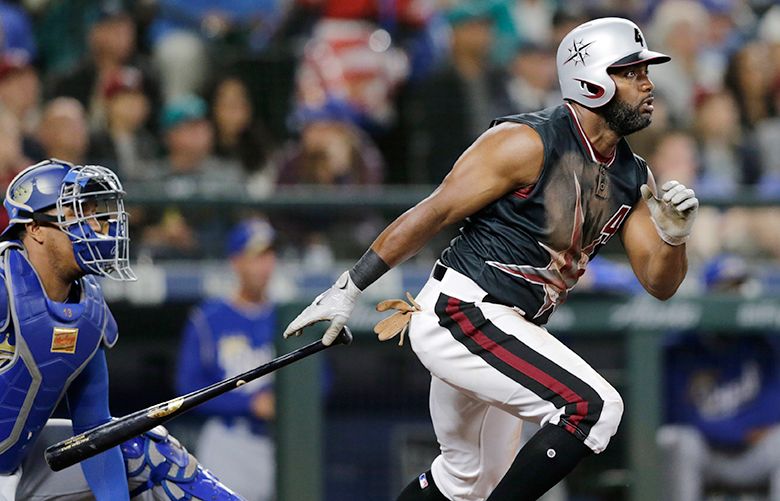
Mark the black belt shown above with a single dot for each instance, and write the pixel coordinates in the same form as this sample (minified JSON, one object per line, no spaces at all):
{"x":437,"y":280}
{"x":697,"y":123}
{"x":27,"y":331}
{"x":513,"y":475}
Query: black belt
{"x":439,"y":270}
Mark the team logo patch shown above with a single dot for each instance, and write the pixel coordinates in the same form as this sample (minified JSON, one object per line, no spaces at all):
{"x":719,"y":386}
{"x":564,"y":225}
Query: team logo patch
{"x":23,"y":192}
{"x":423,"y":481}
{"x":63,"y":340}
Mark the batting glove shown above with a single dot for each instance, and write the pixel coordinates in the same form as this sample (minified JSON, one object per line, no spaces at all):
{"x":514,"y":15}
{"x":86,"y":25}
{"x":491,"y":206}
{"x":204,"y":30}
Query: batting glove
{"x":673,"y":214}
{"x":335,"y":304}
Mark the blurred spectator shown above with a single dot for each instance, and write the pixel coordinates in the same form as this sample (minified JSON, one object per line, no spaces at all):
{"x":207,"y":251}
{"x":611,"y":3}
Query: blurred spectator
{"x":676,"y":156}
{"x":445,"y":122}
{"x":722,"y":403}
{"x":112,"y":45}
{"x":533,"y":83}
{"x":566,"y":18}
{"x":15,"y":29}
{"x":184,"y":30}
{"x":726,"y":160}
{"x":224,"y":338}
{"x":188,"y":170}
{"x":750,"y":82}
{"x":414,"y":26}
{"x":239,"y":136}
{"x":331,"y":150}
{"x":189,"y":167}
{"x":769,"y":131}
{"x":679,"y":27}
{"x":12,"y":158}
{"x":125,"y":146}
{"x":20,"y":94}
{"x":63,"y":132}
{"x":353,"y":61}
{"x":533,"y":20}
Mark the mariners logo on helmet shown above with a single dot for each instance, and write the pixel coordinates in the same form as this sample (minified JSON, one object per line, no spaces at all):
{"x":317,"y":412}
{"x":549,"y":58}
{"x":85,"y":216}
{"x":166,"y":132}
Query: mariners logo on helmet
{"x":593,"y":48}
{"x":578,"y":51}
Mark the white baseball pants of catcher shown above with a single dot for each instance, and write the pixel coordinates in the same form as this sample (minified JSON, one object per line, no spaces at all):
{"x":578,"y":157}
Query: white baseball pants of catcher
{"x":490,"y":370}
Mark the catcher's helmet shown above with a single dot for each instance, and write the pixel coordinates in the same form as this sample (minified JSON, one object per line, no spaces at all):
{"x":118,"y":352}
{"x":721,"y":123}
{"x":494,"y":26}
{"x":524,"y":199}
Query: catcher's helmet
{"x":588,"y":50}
{"x":93,"y":194}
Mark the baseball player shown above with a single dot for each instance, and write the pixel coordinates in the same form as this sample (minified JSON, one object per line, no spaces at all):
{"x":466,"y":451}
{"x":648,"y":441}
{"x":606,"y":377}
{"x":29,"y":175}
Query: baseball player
{"x":540,"y":193}
{"x":225,"y":337}
{"x":67,"y":226}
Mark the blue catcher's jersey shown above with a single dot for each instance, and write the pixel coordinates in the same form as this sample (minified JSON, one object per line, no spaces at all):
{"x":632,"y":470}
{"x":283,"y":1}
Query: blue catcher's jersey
{"x":222,"y":340}
{"x":726,"y":387}
{"x":50,"y":342}
{"x":528,"y":248}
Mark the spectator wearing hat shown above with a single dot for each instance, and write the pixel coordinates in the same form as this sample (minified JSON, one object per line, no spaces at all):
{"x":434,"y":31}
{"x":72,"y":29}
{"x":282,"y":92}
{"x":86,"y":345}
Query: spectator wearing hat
{"x":112,"y":45}
{"x":457,"y":102}
{"x":722,"y":402}
{"x":188,"y":170}
{"x":190,"y":167}
{"x":331,"y":150}
{"x":225,"y":337}
{"x":16,"y":29}
{"x":532,"y":83}
{"x":126,"y":145}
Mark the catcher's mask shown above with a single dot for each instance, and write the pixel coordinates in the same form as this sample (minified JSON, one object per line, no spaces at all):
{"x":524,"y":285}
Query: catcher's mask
{"x":89,"y":208}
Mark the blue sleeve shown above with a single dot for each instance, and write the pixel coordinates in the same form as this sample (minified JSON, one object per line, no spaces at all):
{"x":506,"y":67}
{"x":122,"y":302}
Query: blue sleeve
{"x":88,"y":404}
{"x":197,"y":368}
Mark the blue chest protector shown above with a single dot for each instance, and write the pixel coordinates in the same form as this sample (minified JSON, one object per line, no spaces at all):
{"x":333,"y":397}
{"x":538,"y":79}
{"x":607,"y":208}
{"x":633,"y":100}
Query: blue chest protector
{"x":53,"y":343}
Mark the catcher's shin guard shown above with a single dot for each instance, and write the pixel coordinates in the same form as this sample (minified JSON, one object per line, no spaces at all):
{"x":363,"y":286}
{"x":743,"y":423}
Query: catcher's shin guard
{"x":164,"y":466}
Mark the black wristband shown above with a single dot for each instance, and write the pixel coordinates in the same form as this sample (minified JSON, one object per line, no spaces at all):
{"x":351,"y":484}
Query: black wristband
{"x":368,"y":269}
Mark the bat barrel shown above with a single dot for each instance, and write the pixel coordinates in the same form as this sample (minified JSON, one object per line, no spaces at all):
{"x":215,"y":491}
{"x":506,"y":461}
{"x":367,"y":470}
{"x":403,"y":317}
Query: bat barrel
{"x":92,"y":442}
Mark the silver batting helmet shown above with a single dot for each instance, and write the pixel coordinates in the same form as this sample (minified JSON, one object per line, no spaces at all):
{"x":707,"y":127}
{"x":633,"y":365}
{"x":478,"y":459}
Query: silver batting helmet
{"x":588,"y":50}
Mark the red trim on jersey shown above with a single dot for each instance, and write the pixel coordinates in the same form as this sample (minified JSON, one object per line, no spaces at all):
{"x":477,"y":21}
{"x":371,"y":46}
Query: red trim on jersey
{"x":594,"y":154}
{"x":524,"y":192}
{"x":570,"y":396}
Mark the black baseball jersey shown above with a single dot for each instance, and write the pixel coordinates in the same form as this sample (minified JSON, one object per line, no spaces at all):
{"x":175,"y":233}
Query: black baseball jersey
{"x":528,"y":248}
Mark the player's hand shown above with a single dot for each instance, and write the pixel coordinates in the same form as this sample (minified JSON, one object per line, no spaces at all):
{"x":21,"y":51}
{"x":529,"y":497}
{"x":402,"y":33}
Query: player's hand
{"x":674,"y":212}
{"x":263,"y":405}
{"x":335,"y":304}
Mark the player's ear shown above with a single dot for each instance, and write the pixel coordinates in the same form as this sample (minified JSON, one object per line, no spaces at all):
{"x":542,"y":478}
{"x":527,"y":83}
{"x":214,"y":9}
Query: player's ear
{"x":34,"y":231}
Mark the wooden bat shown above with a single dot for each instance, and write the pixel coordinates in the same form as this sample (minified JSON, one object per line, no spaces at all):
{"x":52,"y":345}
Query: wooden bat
{"x":108,"y":435}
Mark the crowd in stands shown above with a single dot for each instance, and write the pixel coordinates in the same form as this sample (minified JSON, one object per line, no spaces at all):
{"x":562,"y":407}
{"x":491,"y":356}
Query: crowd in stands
{"x":221,"y":97}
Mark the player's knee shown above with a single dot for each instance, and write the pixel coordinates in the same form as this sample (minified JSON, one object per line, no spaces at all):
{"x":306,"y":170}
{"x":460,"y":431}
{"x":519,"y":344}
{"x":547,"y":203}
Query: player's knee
{"x":608,"y":420}
{"x":611,"y":411}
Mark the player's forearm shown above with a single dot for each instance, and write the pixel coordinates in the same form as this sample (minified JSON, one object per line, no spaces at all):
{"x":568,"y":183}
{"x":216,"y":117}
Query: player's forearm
{"x":408,"y":234}
{"x":402,"y":239}
{"x":665,"y":269}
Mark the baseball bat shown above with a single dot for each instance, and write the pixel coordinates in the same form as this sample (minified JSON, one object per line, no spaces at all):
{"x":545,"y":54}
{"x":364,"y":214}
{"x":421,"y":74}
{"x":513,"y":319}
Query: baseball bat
{"x":108,"y":435}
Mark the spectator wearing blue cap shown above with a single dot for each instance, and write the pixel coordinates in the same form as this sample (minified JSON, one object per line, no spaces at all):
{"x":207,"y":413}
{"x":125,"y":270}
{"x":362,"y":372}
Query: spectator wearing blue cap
{"x":722,"y":401}
{"x":222,"y":338}
{"x":190,"y":167}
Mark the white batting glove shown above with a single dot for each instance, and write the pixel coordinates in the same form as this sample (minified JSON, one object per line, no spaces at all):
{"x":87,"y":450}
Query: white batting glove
{"x":673,"y":214}
{"x":335,"y":304}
